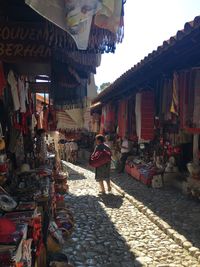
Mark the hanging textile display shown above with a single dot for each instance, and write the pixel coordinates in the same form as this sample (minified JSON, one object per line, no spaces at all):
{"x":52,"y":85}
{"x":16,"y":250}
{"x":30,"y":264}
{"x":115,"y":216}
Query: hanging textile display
{"x":147,"y":115}
{"x":144,"y":113}
{"x":96,"y":121}
{"x":64,"y":121}
{"x":184,"y":81}
{"x":14,"y":90}
{"x":76,"y":115}
{"x":66,"y":91}
{"x":167,"y":99}
{"x":103,"y":118}
{"x":175,"y":95}
{"x":138,"y":114}
{"x":196,"y":114}
{"x":189,"y":98}
{"x":109,"y":16}
{"x":73,"y":16}
{"x":122,"y":118}
{"x":108,"y":123}
{"x":2,"y":80}
{"x":132,"y":119}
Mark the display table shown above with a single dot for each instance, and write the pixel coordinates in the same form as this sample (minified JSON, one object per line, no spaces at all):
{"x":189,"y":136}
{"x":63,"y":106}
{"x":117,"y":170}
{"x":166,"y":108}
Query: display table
{"x":141,"y":171}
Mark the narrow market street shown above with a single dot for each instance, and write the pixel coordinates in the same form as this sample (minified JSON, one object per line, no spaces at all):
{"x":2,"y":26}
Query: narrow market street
{"x":111,"y":232}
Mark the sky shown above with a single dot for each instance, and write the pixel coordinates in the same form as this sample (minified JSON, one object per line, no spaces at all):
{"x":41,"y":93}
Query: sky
{"x":147,"y":24}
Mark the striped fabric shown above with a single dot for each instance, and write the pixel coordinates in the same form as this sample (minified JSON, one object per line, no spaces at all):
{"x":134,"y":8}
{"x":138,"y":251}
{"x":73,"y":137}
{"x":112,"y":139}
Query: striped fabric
{"x":64,"y":121}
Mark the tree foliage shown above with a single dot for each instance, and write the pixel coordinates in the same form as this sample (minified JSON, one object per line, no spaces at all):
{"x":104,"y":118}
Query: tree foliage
{"x":103,"y":86}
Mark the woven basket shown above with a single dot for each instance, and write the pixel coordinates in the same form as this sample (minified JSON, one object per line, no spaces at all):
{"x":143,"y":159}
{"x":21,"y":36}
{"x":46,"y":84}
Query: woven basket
{"x":53,"y":245}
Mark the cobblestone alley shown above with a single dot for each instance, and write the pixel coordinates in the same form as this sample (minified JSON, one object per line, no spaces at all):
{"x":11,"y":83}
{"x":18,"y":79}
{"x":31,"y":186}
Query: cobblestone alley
{"x":111,"y":232}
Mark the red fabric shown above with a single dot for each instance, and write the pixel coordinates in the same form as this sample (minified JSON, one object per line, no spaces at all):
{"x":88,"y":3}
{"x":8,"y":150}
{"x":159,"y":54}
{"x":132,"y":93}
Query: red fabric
{"x":100,"y":158}
{"x":147,"y":115}
{"x":20,"y":121}
{"x":122,"y":118}
{"x":2,"y":80}
{"x":110,"y":118}
{"x":7,"y":227}
{"x":131,"y":119}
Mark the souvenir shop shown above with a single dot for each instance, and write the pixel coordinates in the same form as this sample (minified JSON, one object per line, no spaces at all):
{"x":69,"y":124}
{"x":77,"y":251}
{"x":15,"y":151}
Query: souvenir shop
{"x":44,"y":71}
{"x":34,"y":218}
{"x":158,"y":107}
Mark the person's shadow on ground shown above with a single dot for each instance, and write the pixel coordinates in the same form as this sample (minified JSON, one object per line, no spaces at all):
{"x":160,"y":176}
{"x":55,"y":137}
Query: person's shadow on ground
{"x":112,"y":201}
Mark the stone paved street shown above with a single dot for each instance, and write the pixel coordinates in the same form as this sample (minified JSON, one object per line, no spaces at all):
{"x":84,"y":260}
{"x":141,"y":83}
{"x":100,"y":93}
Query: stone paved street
{"x":111,"y":232}
{"x":181,"y":213}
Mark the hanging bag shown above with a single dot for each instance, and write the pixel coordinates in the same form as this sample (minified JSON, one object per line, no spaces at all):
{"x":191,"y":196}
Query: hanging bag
{"x":100,"y":158}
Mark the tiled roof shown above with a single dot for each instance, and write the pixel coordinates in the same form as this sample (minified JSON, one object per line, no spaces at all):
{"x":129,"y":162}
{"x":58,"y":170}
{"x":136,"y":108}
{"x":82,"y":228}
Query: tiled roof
{"x":189,"y":27}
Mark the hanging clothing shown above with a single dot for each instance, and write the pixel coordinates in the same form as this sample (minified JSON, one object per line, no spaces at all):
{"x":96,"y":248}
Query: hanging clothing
{"x":122,"y":118}
{"x":147,"y":115}
{"x":103,"y":118}
{"x":138,"y":114}
{"x":22,"y":94}
{"x":2,"y":80}
{"x":184,"y":77}
{"x":13,"y":140}
{"x":14,"y":89}
{"x":76,"y":115}
{"x":175,"y":95}
{"x":167,"y":99}
{"x":108,"y":119}
{"x":64,"y":121}
{"x":96,"y":122}
{"x":33,"y":124}
{"x":196,"y":114}
{"x":26,"y":89}
{"x":3,"y":116}
{"x":131,"y":119}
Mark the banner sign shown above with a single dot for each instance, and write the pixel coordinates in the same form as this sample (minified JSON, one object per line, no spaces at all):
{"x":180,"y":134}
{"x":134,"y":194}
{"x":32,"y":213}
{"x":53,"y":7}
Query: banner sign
{"x":24,"y":41}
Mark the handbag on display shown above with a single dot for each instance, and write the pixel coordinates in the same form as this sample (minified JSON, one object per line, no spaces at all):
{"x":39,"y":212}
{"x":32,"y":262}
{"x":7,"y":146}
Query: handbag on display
{"x":100,"y":158}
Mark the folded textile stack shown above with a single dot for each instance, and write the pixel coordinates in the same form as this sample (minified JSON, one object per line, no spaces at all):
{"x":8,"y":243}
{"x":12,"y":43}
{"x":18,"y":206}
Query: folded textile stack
{"x":141,"y":171}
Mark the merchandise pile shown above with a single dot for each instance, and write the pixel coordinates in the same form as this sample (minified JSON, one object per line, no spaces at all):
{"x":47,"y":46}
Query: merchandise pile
{"x":34,"y":217}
